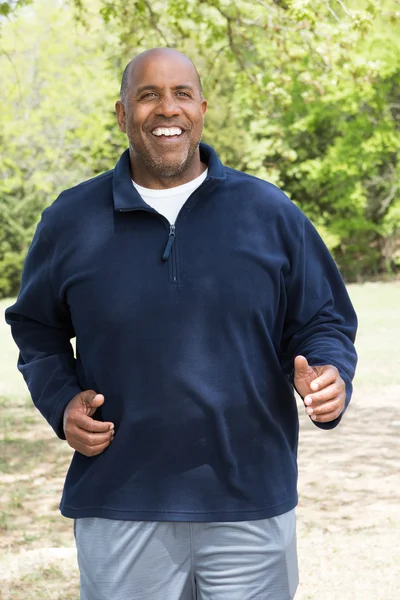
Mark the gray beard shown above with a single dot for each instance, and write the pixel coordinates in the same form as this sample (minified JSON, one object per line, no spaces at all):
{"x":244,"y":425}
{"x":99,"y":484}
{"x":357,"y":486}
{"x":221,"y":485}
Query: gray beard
{"x":160,"y":168}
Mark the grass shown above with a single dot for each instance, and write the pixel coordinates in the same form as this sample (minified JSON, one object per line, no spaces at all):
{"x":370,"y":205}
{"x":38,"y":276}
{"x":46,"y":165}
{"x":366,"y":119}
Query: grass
{"x":378,"y":309}
{"x":37,"y":560}
{"x":33,"y":464}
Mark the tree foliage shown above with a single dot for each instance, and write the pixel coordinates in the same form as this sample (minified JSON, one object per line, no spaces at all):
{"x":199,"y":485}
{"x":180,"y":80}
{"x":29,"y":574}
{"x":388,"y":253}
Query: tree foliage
{"x":302,"y":93}
{"x":57,"y":126}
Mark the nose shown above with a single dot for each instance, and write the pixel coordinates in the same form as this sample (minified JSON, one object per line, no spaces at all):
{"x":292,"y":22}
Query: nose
{"x":168,"y":106}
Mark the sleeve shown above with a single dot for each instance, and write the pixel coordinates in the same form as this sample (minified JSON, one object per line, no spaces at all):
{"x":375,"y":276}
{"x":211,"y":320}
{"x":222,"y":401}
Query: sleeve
{"x":42,"y":329}
{"x":320,"y":321}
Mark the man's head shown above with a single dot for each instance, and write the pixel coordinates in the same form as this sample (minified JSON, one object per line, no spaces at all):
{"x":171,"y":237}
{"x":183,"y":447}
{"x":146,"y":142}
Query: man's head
{"x":162,"y":112}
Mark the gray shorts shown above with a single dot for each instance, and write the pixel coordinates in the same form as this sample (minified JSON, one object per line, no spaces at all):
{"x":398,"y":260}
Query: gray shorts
{"x":137,"y":560}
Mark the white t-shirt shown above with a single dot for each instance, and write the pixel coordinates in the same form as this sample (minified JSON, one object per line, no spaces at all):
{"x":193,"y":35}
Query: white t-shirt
{"x":169,"y":202}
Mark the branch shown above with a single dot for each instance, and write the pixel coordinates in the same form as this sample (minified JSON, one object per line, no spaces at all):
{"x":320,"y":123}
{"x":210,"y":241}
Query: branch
{"x":2,"y":51}
{"x":254,"y":23}
{"x":331,"y":10}
{"x":237,"y":53}
{"x":154,"y":22}
{"x":233,"y":46}
{"x":387,"y":201}
{"x":266,"y":6}
{"x":325,"y":62}
{"x":345,"y":9}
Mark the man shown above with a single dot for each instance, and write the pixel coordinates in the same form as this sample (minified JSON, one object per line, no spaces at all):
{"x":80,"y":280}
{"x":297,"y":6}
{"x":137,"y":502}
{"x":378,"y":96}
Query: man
{"x":199,"y":296}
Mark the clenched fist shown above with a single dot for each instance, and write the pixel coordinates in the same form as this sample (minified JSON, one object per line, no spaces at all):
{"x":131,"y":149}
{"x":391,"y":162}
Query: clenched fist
{"x":84,"y":434}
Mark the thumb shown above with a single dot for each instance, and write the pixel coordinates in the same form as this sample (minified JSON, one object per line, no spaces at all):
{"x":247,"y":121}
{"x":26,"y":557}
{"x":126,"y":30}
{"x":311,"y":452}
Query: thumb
{"x":92,"y":401}
{"x":301,"y":365}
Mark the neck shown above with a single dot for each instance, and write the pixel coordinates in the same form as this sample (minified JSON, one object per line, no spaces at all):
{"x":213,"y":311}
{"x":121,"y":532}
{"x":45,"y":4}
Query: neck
{"x":148,"y":179}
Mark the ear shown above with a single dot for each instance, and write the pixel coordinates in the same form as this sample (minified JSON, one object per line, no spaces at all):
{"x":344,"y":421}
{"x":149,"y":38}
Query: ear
{"x":204,"y":106}
{"x":121,"y":116}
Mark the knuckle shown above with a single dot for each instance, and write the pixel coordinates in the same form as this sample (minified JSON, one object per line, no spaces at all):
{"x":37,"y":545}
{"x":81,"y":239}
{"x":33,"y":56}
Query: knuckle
{"x":332,"y":416}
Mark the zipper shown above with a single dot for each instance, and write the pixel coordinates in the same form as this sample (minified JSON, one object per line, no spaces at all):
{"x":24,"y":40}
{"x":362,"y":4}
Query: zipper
{"x":167,"y":254}
{"x":170,"y":241}
{"x":172,"y":233}
{"x":168,"y":251}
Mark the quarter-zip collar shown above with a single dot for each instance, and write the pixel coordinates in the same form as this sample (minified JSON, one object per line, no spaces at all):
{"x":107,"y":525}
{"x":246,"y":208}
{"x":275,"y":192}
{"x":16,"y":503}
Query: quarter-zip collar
{"x":126,"y":197}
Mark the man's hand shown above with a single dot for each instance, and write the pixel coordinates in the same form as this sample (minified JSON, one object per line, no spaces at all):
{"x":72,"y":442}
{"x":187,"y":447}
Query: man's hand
{"x":84,"y":434}
{"x":322,"y":388}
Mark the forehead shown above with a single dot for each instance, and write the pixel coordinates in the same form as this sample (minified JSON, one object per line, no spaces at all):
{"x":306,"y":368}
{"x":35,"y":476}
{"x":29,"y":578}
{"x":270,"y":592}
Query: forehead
{"x":162,"y":71}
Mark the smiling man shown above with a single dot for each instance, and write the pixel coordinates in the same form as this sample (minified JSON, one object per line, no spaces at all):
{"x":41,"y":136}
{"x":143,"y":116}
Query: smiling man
{"x":200,"y":297}
{"x":162,"y":112}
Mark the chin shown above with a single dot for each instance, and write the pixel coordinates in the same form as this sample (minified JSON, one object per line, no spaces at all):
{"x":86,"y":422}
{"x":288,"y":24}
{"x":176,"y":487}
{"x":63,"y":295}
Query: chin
{"x":170,"y":171}
{"x":165,"y":169}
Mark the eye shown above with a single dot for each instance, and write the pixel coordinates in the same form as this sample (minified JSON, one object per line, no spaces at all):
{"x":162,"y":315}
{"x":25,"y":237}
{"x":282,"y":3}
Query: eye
{"x":148,"y":96}
{"x":183,"y":94}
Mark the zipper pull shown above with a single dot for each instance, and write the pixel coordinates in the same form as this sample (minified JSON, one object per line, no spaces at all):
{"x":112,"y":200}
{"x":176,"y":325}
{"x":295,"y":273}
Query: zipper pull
{"x":171,"y":239}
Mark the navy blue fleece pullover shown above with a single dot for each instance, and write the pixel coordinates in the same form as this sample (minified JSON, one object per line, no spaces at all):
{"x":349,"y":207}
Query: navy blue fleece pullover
{"x":191,"y":342}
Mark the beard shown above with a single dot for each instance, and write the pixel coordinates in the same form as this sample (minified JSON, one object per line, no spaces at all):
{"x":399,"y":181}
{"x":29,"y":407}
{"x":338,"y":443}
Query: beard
{"x":163,"y":164}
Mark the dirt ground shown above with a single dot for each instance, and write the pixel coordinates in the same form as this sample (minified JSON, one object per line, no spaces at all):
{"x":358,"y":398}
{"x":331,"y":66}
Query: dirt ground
{"x":349,"y":482}
{"x":348,"y":513}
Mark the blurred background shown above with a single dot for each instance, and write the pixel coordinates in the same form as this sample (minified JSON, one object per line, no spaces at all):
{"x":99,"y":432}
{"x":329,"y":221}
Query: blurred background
{"x":303,"y":93}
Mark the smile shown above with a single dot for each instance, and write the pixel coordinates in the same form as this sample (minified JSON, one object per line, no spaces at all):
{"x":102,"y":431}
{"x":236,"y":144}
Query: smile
{"x":167,"y":131}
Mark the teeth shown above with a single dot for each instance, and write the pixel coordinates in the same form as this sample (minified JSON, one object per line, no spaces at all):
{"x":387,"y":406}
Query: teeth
{"x":167,"y":131}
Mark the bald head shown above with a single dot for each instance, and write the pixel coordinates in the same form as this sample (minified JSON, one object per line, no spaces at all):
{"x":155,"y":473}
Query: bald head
{"x":153,"y":55}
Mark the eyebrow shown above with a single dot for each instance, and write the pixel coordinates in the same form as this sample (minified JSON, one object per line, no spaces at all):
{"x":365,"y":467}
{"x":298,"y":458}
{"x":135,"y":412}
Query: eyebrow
{"x":143,"y":88}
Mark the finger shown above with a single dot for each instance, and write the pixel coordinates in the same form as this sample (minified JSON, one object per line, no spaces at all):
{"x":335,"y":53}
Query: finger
{"x":91,"y":439}
{"x":88,"y":424}
{"x":92,"y":403}
{"x":301,"y":365}
{"x":324,"y":395}
{"x":81,"y":440}
{"x":334,"y":404}
{"x":92,"y":451}
{"x":325,"y":418}
{"x":329,"y":375}
{"x":90,"y":398}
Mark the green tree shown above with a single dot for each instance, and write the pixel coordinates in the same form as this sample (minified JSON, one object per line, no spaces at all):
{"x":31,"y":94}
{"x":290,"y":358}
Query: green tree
{"x":304,"y":94}
{"x":57,"y":126}
{"x":8,"y":7}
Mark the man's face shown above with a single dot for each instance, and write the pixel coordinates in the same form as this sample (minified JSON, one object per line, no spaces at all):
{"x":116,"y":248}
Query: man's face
{"x":163,"y":115}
